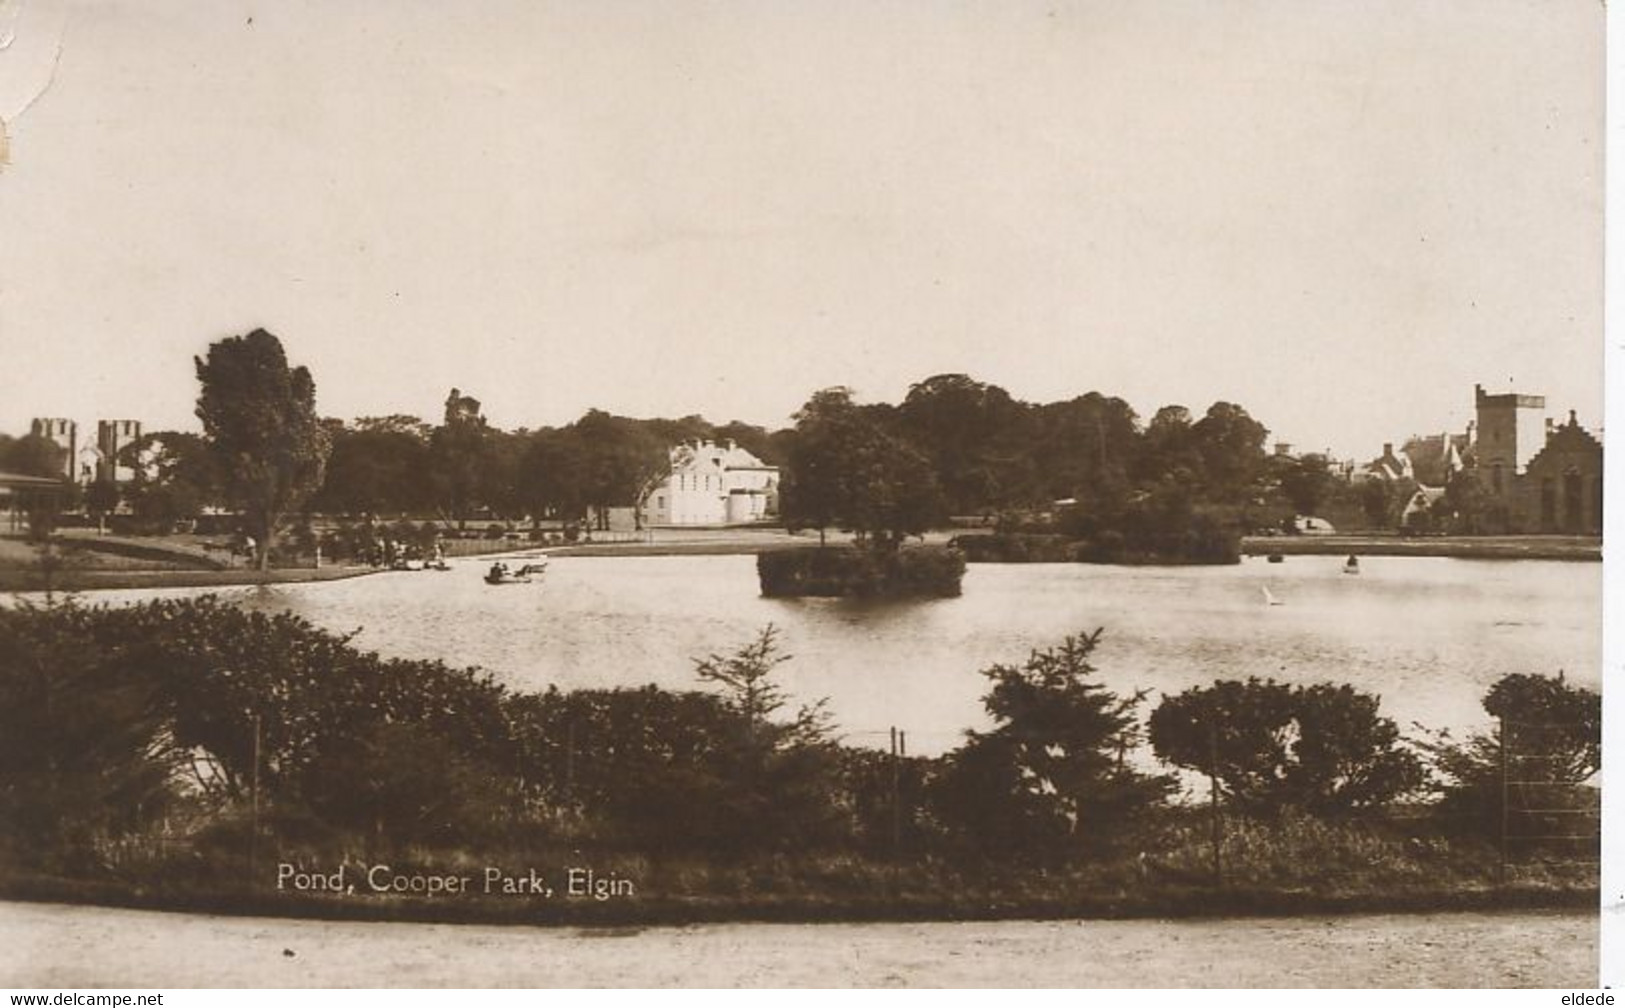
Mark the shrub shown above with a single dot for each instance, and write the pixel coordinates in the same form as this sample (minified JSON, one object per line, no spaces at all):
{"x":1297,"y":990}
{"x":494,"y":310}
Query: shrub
{"x":403,"y":782}
{"x":85,"y":756}
{"x":1553,"y":736}
{"x":920,"y":571}
{"x":1322,"y":749}
{"x":1015,"y":547}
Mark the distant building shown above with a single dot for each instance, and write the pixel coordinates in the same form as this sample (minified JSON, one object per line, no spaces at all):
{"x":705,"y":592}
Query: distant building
{"x":112,"y":437}
{"x":66,"y":435}
{"x":1389,"y":466}
{"x":713,"y":484}
{"x":1434,"y":460}
{"x":1561,"y":489}
{"x":1511,"y":429}
{"x":84,"y":462}
{"x":1419,"y":504}
{"x":1536,"y":476}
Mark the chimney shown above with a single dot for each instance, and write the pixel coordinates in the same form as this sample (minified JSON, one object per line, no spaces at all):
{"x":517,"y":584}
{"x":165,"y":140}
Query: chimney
{"x":1387,"y":448}
{"x":1573,"y":422}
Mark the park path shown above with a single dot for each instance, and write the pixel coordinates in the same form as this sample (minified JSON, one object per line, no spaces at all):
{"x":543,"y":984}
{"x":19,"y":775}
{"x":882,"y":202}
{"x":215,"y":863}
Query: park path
{"x":50,"y":946}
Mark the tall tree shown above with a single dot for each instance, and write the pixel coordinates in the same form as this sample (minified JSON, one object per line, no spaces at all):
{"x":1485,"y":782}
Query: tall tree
{"x":1231,"y":444}
{"x":846,"y":468}
{"x":259,"y":416}
{"x":621,"y":461}
{"x":969,"y":430}
{"x":457,"y":454}
{"x":1052,"y":778}
{"x":1307,"y":482}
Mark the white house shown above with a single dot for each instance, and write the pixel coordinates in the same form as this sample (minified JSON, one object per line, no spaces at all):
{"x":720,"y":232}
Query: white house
{"x":713,"y":484}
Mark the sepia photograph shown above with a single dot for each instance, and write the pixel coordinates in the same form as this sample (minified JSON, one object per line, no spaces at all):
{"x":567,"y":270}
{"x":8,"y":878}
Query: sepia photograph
{"x":714,"y":493}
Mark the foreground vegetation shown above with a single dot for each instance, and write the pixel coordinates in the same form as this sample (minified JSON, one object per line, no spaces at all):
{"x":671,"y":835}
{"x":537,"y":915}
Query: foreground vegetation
{"x":186,"y":753}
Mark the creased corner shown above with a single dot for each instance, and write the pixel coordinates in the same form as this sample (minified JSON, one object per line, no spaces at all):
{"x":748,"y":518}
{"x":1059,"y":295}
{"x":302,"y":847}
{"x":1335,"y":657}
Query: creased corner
{"x":10,"y":10}
{"x":50,"y":78}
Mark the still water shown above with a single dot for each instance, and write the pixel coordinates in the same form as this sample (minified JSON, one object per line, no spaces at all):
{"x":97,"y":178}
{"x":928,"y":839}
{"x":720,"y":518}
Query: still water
{"x":1426,"y":634}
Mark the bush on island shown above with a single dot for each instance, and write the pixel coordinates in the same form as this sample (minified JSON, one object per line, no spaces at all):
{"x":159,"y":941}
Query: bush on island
{"x":840,"y":571}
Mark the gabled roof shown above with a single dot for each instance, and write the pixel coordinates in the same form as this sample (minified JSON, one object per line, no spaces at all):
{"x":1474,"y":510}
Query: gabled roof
{"x":1433,"y":459}
{"x":1566,"y":439}
{"x":731,"y":456}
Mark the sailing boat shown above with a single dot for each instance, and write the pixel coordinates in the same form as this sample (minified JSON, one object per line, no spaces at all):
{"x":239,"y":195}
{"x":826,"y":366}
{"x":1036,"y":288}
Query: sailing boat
{"x":1269,"y":596}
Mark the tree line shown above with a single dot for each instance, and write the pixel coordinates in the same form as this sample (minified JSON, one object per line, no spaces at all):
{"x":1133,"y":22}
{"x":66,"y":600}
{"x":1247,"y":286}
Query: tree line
{"x":953,"y":446}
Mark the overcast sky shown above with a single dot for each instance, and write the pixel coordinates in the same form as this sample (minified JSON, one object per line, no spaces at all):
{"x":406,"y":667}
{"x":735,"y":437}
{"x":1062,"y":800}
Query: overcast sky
{"x":1340,"y":215}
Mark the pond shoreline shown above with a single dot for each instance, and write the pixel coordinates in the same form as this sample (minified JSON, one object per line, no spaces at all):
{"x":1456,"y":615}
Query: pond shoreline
{"x":722,"y":542}
{"x":1582,"y":549}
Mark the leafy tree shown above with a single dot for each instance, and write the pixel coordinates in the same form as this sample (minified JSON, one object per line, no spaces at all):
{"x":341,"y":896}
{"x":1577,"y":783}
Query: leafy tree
{"x":1231,"y":444}
{"x":1467,"y":503}
{"x":32,"y":455}
{"x":845,"y":468}
{"x":259,"y":416}
{"x":175,"y":475}
{"x":1086,"y":449}
{"x":457,"y":455}
{"x":1052,"y":778}
{"x":377,"y":466}
{"x":1170,"y":447}
{"x":756,"y":440}
{"x":969,"y":431}
{"x":1323,"y":749}
{"x":621,"y":462}
{"x":1376,"y":502}
{"x":552,"y":475}
{"x":1307,"y":482}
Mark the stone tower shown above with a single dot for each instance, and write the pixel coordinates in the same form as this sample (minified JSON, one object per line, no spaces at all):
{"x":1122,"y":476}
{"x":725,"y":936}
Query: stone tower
{"x":66,"y":435}
{"x":112,"y":437}
{"x":1511,"y":430}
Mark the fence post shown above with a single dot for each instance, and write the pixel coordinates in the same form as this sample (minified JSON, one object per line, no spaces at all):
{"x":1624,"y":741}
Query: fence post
{"x":254,"y":836}
{"x":1213,"y":804}
{"x":1506,"y":802}
{"x":896,"y":802}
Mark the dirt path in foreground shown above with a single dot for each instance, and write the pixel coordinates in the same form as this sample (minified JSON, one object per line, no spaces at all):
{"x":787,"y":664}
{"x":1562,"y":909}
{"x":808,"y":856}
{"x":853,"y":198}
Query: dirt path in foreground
{"x":48,"y":946}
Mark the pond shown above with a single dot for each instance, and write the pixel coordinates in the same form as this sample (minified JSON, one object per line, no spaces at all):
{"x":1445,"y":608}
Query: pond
{"x":1428,"y":635}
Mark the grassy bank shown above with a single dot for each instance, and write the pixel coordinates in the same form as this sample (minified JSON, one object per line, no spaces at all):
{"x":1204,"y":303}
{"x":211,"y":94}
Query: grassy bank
{"x":1269,"y":869}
